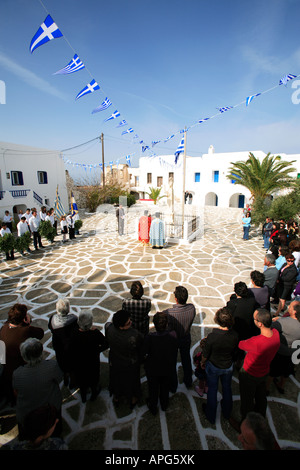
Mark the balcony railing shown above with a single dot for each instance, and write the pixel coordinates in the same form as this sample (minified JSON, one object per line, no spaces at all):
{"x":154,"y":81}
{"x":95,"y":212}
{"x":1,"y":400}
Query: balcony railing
{"x":19,"y":192}
{"x":37,"y":197}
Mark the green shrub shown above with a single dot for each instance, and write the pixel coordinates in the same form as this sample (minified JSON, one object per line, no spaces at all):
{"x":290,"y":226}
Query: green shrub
{"x":47,"y":231}
{"x":7,"y":242}
{"x":78,"y":224}
{"x":23,"y":242}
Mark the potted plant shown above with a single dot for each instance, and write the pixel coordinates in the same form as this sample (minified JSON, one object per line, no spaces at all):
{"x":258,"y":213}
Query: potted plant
{"x":47,"y":230}
{"x":7,"y":244}
{"x":77,"y":226}
{"x":23,"y":242}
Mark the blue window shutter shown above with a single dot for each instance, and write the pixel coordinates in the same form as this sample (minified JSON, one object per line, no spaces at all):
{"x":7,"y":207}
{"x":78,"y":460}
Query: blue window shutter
{"x":216,"y":176}
{"x":20,"y":174}
{"x":197,"y":177}
{"x":45,"y":177}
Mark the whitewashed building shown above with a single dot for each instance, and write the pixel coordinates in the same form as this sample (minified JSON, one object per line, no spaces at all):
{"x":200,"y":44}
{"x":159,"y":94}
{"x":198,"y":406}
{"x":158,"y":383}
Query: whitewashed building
{"x":205,"y":177}
{"x":29,"y":177}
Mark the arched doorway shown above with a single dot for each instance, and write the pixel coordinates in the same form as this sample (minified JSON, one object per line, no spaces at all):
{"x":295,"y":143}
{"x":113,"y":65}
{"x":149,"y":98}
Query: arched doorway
{"x":16,"y":209}
{"x":211,"y":199}
{"x":237,"y":200}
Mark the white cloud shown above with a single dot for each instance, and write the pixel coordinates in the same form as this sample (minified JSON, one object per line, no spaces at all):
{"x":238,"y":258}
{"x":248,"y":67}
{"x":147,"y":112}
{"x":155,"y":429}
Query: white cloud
{"x":29,"y":77}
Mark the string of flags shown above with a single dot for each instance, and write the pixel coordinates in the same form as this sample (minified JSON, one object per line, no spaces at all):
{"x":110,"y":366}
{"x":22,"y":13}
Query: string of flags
{"x":49,"y":31}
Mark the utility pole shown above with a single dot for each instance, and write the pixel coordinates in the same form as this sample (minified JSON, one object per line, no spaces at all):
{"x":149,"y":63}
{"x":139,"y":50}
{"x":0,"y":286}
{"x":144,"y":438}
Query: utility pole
{"x":103,"y":167}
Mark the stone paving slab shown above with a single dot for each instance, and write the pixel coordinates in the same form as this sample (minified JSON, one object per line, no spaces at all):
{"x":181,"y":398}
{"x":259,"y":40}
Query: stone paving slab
{"x":95,"y":271}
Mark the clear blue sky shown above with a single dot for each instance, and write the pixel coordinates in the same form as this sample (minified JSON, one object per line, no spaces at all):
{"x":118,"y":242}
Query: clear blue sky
{"x":164,"y":64}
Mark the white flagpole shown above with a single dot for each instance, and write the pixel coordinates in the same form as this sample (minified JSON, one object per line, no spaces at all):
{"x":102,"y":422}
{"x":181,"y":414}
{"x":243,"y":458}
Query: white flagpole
{"x":183,"y":181}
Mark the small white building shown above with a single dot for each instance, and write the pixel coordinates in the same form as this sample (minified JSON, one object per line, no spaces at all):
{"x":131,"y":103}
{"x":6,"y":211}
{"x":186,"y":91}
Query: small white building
{"x":205,"y":177}
{"x":29,"y":178}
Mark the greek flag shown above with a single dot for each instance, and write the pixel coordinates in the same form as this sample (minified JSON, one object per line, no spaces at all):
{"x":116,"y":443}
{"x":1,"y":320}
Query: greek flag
{"x":250,"y":98}
{"x":113,"y":116}
{"x":46,"y":32}
{"x":128,"y":131}
{"x":106,"y":104}
{"x":154,"y":142}
{"x":202,"y":120}
{"x":92,"y":86}
{"x":286,"y":78}
{"x":222,"y":110}
{"x":122,"y":123}
{"x":168,"y":138}
{"x":180,"y":149}
{"x":128,"y":160}
{"x":73,"y":66}
{"x":144,"y":148}
{"x":58,"y":207}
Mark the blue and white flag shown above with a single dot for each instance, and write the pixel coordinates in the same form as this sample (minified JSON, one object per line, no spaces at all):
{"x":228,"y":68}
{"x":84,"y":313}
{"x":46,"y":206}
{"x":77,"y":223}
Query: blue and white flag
{"x":92,"y":86}
{"x":113,"y":116}
{"x":128,"y":160}
{"x":144,"y":148}
{"x":180,"y":149}
{"x":128,"y":131}
{"x":106,"y":104}
{"x":73,"y":66}
{"x":250,"y":98}
{"x":168,"y":138}
{"x":73,"y":205}
{"x":122,"y":123}
{"x":154,"y":142}
{"x":226,"y":108}
{"x":46,"y":32}
{"x":203,"y":120}
{"x":284,"y":80}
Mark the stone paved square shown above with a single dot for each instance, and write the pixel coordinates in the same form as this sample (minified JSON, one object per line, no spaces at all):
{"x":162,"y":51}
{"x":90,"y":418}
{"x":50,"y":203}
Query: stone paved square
{"x":95,"y":271}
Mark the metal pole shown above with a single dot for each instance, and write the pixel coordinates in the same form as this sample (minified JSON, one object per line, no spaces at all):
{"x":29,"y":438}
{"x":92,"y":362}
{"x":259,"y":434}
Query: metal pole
{"x":183,"y":181}
{"x":103,"y":167}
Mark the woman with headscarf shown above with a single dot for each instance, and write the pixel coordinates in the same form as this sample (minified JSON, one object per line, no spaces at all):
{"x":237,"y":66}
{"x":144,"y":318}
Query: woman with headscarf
{"x":86,"y":344}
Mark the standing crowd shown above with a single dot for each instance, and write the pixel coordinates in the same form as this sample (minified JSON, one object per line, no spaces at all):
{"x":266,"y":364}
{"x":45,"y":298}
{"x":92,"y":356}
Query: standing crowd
{"x":248,"y":338}
{"x":30,"y":222}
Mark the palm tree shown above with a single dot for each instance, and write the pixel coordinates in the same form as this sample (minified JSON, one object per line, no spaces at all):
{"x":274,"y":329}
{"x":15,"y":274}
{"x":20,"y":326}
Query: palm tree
{"x":155,"y":194}
{"x":262,"y":178}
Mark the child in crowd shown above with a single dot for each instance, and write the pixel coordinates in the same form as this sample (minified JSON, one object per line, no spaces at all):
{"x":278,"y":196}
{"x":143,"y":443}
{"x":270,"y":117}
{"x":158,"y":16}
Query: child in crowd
{"x":64,"y":228}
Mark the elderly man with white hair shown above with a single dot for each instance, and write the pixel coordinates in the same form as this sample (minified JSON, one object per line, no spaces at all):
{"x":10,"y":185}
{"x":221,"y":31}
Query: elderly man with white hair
{"x":86,"y":345}
{"x":62,"y":325}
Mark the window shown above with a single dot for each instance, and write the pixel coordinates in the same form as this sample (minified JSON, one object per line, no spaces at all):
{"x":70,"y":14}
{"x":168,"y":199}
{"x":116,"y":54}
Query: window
{"x":171,"y":176}
{"x":136,"y":180}
{"x":149,"y":178}
{"x":216,"y":177}
{"x":42,"y":177}
{"x":233,"y":181}
{"x":159,"y":181}
{"x":17,"y":178}
{"x":197,"y":177}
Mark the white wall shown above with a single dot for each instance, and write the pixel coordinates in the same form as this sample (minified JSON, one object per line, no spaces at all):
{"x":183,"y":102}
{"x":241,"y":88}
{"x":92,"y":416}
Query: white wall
{"x":30,"y":160}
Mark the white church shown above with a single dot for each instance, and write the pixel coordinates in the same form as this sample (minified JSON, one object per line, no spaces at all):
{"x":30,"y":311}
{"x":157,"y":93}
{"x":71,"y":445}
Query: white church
{"x":205,"y":177}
